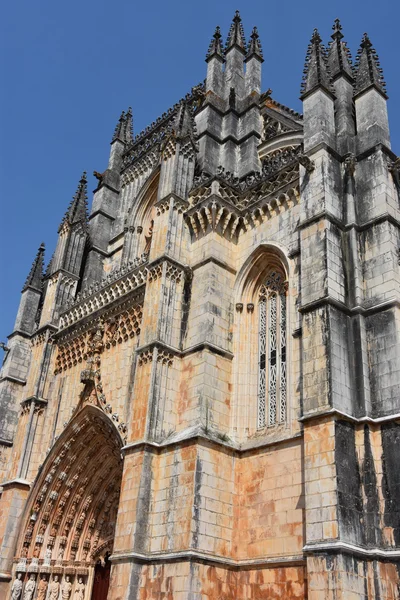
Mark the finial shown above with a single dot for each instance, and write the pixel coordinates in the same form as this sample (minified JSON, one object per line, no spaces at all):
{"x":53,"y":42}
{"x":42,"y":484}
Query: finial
{"x":77,"y":209}
{"x":124,"y":128}
{"x":337,"y":28}
{"x":236,"y":34}
{"x":35,"y":277}
{"x":254,"y":47}
{"x":316,"y":71}
{"x":367,"y":69}
{"x":215,"y":47}
{"x":339,"y":57}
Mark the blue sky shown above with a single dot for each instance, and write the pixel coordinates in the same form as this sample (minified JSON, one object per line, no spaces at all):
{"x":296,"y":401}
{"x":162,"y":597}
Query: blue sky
{"x":70,"y":68}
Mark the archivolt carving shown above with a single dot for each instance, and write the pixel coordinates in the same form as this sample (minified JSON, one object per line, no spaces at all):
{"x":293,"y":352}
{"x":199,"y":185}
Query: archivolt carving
{"x":73,"y":506}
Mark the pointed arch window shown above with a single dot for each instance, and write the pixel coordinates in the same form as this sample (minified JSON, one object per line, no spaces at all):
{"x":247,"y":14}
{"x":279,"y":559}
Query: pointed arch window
{"x":272,"y":354}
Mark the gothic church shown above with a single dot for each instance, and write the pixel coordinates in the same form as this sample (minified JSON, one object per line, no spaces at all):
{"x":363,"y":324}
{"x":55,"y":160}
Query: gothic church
{"x":200,"y":399}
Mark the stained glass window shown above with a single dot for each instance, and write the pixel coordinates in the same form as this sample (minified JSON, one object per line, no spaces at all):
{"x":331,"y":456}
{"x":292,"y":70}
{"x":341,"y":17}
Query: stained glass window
{"x":272,"y":384}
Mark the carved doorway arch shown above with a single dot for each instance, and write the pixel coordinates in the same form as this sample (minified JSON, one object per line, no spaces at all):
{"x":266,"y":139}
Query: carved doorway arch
{"x":71,"y":514}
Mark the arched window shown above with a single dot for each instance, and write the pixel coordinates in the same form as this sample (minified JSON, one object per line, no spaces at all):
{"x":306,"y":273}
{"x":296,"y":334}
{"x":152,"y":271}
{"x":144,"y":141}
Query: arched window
{"x":272,"y":338}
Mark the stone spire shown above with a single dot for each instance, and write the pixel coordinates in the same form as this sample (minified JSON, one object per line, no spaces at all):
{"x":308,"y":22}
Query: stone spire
{"x":184,"y":124}
{"x":254,"y":47}
{"x":339,"y":57}
{"x":236,"y":34}
{"x":316,"y":71}
{"x":124,"y":128}
{"x":35,"y":277}
{"x":215,"y":47}
{"x":368,"y":71}
{"x":77,"y":210}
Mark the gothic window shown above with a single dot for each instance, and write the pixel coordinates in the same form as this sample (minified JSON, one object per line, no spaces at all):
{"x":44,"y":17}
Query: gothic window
{"x":272,"y":370}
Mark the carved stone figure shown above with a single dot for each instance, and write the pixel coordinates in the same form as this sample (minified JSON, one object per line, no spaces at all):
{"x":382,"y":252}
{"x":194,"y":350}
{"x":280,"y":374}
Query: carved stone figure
{"x":66,"y":588}
{"x":54,"y":589}
{"x":42,"y":588}
{"x":30,"y":588}
{"x":47,"y":557}
{"x":80,"y":590}
{"x":16,"y":587}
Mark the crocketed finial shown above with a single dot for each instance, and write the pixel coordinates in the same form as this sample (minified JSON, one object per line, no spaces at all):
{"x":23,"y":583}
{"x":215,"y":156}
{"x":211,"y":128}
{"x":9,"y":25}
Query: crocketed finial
{"x":215,"y":47}
{"x":236,"y":34}
{"x":316,"y":71}
{"x":367,"y":69}
{"x":35,"y":277}
{"x":254,"y":47}
{"x":339,"y":57}
{"x":78,"y":209}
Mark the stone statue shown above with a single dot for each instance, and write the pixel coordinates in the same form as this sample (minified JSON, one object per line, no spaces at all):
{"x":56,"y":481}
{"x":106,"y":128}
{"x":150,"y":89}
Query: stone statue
{"x":42,"y":588}
{"x":54,"y":589}
{"x":47,"y":557}
{"x":66,"y":589}
{"x":30,"y":588}
{"x":16,"y":587}
{"x":80,"y":590}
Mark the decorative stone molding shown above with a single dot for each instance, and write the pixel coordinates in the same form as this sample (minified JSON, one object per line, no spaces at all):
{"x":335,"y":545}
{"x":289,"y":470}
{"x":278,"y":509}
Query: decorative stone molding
{"x":100,"y":296}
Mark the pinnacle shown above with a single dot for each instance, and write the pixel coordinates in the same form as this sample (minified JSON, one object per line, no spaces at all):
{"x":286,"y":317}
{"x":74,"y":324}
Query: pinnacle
{"x":367,"y":69}
{"x":316,"y":69}
{"x":77,"y":210}
{"x":124,"y":128}
{"x":236,"y":34}
{"x":339,"y":57}
{"x":184,"y":124}
{"x":254,"y":48}
{"x":35,"y":276}
{"x":215,"y":47}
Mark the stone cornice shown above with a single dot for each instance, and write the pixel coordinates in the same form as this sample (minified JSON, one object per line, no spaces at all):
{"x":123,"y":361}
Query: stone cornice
{"x":353,"y":549}
{"x":221,"y":441}
{"x":205,"y":557}
{"x":338,"y":414}
{"x":350,"y":311}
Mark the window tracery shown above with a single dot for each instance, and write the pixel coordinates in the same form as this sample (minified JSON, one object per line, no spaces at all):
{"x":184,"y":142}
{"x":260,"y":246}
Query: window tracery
{"x":272,"y":368}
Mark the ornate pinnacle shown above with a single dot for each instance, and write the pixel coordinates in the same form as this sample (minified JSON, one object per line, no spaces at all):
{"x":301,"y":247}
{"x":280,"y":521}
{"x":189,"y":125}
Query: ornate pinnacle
{"x":77,"y":210}
{"x":35,"y":276}
{"x":316,"y":72}
{"x":339,"y":58}
{"x":215,"y":47}
{"x":236,"y":34}
{"x":368,"y":71}
{"x":124,"y":128}
{"x":254,"y":48}
{"x":119,"y":128}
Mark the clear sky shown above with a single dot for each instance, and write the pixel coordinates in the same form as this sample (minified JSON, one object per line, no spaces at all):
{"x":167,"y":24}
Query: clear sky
{"x":70,"y":68}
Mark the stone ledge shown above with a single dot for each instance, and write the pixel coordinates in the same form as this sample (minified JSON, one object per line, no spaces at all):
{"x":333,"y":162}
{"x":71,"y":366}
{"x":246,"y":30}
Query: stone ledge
{"x":198,"y":435}
{"x":198,"y":556}
{"x":16,"y":483}
{"x":216,"y":261}
{"x":334,"y":412}
{"x":356,"y":310}
{"x":13,"y":379}
{"x":338,"y":546}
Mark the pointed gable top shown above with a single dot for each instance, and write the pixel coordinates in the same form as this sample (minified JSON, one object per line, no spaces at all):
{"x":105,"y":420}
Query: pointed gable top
{"x":316,"y":71}
{"x":339,"y":57}
{"x":35,"y":277}
{"x":77,"y":210}
{"x":236,"y":34}
{"x":368,"y":71}
{"x":215,"y":47}
{"x":254,"y":48}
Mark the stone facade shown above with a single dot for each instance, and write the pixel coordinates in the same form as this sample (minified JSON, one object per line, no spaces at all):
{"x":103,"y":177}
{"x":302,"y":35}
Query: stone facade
{"x":203,"y":388}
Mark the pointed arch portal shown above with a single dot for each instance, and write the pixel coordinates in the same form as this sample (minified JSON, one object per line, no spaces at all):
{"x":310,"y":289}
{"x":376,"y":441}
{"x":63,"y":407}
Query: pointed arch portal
{"x":69,"y":522}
